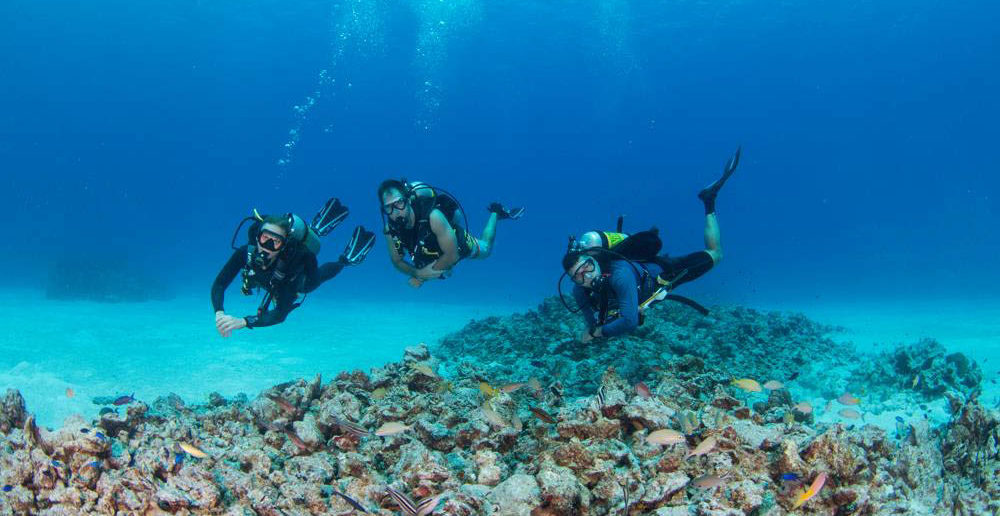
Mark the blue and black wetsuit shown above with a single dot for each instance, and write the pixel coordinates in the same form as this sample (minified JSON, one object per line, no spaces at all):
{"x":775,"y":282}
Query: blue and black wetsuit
{"x":302,"y":275}
{"x":615,"y":308}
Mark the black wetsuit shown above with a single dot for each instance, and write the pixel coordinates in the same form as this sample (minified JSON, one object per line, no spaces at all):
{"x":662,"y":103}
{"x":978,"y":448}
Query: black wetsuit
{"x":616,"y":307}
{"x":303,"y":274}
{"x":421,"y":242}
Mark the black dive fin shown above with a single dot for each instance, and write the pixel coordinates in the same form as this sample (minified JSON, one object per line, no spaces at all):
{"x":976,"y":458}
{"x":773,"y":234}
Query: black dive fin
{"x":360,"y":245}
{"x":329,"y":217}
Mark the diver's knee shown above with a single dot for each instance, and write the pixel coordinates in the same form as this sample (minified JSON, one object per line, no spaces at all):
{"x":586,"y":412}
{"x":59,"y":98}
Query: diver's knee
{"x":484,"y":250}
{"x":715,"y":254}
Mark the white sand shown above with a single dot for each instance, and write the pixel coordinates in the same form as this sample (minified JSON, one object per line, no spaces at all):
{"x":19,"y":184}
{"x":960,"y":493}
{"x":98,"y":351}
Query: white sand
{"x":156,"y":348}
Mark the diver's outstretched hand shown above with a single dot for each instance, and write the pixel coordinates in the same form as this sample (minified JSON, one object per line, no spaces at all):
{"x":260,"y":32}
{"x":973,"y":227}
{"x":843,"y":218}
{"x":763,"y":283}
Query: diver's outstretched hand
{"x":362,"y":242}
{"x":226,"y":324}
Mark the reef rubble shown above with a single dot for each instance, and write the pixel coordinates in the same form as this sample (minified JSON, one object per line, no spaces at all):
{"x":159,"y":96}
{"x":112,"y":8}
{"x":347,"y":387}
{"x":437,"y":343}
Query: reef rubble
{"x":508,"y":417}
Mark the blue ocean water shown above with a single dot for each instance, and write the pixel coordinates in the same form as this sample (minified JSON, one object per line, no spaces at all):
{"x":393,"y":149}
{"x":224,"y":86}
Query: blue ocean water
{"x":143,"y":132}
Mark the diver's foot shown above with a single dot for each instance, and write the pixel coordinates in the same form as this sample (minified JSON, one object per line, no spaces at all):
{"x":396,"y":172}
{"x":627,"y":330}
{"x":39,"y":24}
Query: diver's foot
{"x":707,"y":194}
{"x":503,"y":213}
{"x":329,"y":217}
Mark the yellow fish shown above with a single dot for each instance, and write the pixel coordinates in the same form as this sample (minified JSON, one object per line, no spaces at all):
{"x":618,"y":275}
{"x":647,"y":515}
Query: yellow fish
{"x":747,"y":385}
{"x":811,"y":492}
{"x":378,"y":393}
{"x":916,"y":380}
{"x":666,"y":437}
{"x":488,"y":390}
{"x":789,"y":418}
{"x":192,"y":451}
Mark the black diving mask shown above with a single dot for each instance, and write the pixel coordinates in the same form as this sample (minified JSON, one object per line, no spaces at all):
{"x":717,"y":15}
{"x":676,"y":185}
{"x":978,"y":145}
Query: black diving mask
{"x":270,"y":240}
{"x":397,"y":205}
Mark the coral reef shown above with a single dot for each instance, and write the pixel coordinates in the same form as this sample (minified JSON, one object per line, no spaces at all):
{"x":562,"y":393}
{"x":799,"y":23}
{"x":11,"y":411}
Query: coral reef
{"x":500,"y":421}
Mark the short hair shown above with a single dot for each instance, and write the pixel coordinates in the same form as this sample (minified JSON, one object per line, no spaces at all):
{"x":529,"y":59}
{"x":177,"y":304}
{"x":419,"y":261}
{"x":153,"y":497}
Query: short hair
{"x":390,"y":184}
{"x":278,"y":220}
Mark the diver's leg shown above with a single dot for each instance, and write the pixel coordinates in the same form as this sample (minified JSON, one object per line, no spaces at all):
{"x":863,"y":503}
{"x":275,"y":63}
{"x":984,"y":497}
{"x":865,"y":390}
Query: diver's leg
{"x":486,"y":241}
{"x":713,"y":238}
{"x":323,"y":273}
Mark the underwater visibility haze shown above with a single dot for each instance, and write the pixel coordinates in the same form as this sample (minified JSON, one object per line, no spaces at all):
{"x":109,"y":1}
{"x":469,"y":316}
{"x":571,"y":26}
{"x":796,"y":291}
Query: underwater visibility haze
{"x":853,"y":318}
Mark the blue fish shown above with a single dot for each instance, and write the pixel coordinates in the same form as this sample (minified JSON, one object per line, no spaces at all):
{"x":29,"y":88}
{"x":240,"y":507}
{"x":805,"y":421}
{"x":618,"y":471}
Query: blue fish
{"x":95,"y":464}
{"x":7,"y":488}
{"x":56,"y":463}
{"x":789,"y":477}
{"x":899,"y":418}
{"x":179,"y":458}
{"x":100,"y":436}
{"x":84,"y":430}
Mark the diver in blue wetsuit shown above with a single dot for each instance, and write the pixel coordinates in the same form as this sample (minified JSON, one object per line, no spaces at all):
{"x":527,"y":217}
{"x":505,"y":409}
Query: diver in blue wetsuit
{"x":618,"y":276}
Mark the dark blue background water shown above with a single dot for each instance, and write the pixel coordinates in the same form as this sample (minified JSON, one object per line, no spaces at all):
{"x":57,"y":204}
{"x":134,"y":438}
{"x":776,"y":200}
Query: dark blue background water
{"x":148,"y":129}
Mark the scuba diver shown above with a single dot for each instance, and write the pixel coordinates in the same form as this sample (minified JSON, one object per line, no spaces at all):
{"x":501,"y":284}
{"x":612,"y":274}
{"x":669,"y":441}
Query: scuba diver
{"x":280,"y":258}
{"x":617,"y":276}
{"x":430,"y":224}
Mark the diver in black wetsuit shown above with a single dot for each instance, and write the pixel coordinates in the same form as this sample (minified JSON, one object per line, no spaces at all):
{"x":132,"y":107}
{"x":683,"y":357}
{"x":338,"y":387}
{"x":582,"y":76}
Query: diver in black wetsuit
{"x":618,"y":276}
{"x":281,"y":259}
{"x":429,"y":224}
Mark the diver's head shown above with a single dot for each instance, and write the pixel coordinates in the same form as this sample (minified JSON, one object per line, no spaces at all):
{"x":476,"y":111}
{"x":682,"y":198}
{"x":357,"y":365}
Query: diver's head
{"x":396,"y":205}
{"x":588,"y":240}
{"x":581,"y":267}
{"x":272,"y":238}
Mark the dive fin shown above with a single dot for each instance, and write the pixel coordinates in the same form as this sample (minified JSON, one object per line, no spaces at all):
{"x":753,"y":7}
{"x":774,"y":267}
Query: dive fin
{"x":329,"y":217}
{"x":362,"y":242}
{"x":503,"y":213}
{"x":709,"y":192}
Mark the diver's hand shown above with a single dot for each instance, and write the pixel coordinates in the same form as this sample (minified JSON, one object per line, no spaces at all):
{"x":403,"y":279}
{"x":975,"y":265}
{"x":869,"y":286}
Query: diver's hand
{"x":416,"y":282}
{"x":428,"y":272}
{"x":588,"y":336}
{"x":226,"y":324}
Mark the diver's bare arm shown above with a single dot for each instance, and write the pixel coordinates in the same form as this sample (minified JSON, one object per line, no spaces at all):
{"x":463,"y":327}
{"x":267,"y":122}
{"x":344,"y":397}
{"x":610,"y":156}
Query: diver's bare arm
{"x":447,"y":241}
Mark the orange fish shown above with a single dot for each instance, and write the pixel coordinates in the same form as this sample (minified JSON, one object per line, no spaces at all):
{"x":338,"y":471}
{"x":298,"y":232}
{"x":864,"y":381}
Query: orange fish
{"x":849,"y":413}
{"x":811,"y":492}
{"x":391,"y":428}
{"x":643,"y":390}
{"x":543,"y":415}
{"x":193,"y":451}
{"x":847,"y":399}
{"x":703,"y":447}
{"x":747,"y":385}
{"x":666,"y":436}
{"x":511,"y":387}
{"x":69,"y":392}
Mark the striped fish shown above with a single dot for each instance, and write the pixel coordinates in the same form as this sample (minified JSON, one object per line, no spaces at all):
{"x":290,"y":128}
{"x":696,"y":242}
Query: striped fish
{"x":600,"y":396}
{"x":404,"y":502}
{"x":427,"y":505}
{"x":351,"y":428}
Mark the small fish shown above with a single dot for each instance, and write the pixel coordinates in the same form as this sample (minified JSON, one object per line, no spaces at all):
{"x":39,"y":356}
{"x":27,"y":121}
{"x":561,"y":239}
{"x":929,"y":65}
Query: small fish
{"x":179,"y":458}
{"x":707,"y":481}
{"x":296,"y":440}
{"x":643,"y":390}
{"x":600,"y":396}
{"x":93,"y":464}
{"x":811,"y":492}
{"x":493,"y":417}
{"x":916,"y":380}
{"x":351,"y":428}
{"x":379,"y":393}
{"x":773,"y":385}
{"x":703,"y":447}
{"x":56,"y":463}
{"x":666,"y":436}
{"x":789,"y":477}
{"x":849,"y":413}
{"x":804,"y":407}
{"x":488,"y":390}
{"x":124,"y":400}
{"x":101,"y":436}
{"x":793,"y":376}
{"x":543,"y":415}
{"x":443,"y":386}
{"x":422,"y":508}
{"x":747,"y":385}
{"x":788,"y":418}
{"x":70,"y":393}
{"x":847,"y":399}
{"x":107,"y":410}
{"x":351,"y":501}
{"x":900,"y":419}
{"x":922,"y":406}
{"x":511,"y":387}
{"x":391,"y":428}
{"x":534,"y":384}
{"x":424,"y":369}
{"x":7,"y":488}
{"x":516,"y":423}
{"x":84,"y":430}
{"x":287,"y":407}
{"x":427,"y":505}
{"x":193,"y":451}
